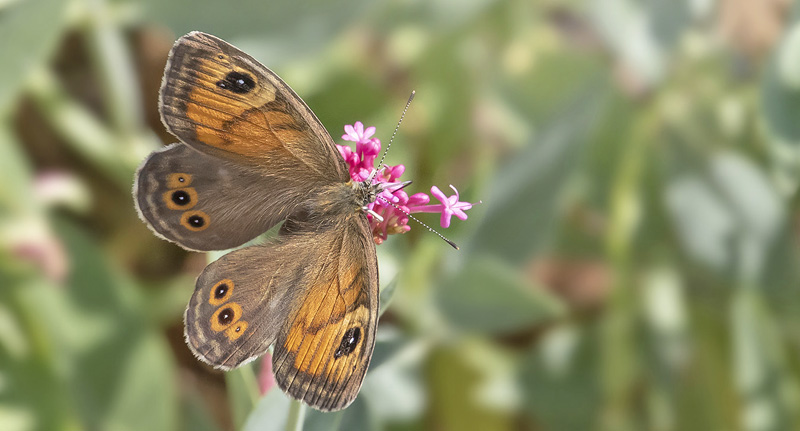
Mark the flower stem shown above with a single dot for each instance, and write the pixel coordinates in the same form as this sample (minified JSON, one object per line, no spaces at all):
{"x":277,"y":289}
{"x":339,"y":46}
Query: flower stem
{"x":297,"y":412}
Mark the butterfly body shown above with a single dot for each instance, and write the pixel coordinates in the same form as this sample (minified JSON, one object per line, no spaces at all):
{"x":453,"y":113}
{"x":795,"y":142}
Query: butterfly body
{"x":251,"y":155}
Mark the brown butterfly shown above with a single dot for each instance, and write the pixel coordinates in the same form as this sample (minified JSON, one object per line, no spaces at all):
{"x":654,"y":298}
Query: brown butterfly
{"x":252,"y":154}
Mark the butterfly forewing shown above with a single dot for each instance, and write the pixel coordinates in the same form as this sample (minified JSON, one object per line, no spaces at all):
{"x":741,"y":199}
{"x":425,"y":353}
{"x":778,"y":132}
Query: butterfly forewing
{"x":220,"y":100}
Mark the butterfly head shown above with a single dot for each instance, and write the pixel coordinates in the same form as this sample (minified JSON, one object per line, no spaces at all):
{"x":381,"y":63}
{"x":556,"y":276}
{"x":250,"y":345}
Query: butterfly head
{"x":367,"y":191}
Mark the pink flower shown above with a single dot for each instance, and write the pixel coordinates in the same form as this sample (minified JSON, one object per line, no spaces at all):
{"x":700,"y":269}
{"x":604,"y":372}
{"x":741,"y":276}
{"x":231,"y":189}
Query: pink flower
{"x":356,"y":132}
{"x":390,"y":174}
{"x":393,"y":205}
{"x":418,"y":199}
{"x":450,"y":206}
{"x":362,"y":161}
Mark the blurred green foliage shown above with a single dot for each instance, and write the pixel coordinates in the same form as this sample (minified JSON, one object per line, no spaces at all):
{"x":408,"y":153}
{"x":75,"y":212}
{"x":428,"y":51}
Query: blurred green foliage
{"x":633,"y":265}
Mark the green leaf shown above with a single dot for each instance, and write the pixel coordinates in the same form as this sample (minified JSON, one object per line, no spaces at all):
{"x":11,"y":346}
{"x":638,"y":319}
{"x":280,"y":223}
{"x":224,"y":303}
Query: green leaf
{"x":89,"y":358}
{"x":30,"y":31}
{"x":780,"y":89}
{"x":243,"y":392}
{"x":324,"y":421}
{"x":759,"y":358}
{"x":727,"y":215}
{"x":270,"y":413}
{"x":489,"y":296}
{"x":451,"y":394}
{"x":145,"y":386}
{"x":561,"y":382}
{"x":385,"y":349}
{"x":272,"y":31}
{"x":356,"y":416}
{"x":122,"y":365}
{"x":16,"y":187}
{"x":386,"y":295}
{"x":523,"y":202}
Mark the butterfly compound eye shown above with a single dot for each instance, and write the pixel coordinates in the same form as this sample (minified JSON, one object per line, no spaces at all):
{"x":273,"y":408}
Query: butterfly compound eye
{"x":349,"y":342}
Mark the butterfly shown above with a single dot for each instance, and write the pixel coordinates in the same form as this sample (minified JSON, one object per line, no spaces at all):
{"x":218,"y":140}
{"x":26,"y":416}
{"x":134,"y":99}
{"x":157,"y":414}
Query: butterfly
{"x":251,"y":155}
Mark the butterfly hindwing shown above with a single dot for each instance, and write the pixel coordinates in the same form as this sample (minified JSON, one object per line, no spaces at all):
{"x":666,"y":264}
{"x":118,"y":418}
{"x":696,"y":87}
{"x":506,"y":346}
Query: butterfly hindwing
{"x":203,"y":203}
{"x":237,"y":307}
{"x":313,"y":292}
{"x":323,"y":350}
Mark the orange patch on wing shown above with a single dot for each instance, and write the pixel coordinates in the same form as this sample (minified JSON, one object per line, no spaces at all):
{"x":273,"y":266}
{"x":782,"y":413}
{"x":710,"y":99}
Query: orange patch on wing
{"x":217,"y":324}
{"x":195,"y":221}
{"x":213,"y":300}
{"x":322,"y":320}
{"x":178,"y":180}
{"x":190,"y":196}
{"x":236,"y":330}
{"x":315,"y":349}
{"x":235,"y":122}
{"x":329,"y":340}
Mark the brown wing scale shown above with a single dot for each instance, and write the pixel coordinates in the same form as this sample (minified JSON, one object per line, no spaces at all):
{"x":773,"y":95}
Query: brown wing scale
{"x":313,"y":293}
{"x":204,"y":203}
{"x":324,"y":349}
{"x":220,"y":100}
{"x":234,"y":313}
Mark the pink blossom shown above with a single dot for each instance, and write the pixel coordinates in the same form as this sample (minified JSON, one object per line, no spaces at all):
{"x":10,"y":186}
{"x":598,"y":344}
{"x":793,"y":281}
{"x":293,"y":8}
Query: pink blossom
{"x":390,"y":174}
{"x":393,"y":205}
{"x":362,"y":160}
{"x":450,"y":206}
{"x":356,"y":132}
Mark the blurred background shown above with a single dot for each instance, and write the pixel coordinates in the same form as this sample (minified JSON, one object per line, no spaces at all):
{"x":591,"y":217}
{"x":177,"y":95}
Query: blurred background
{"x":633,"y":265}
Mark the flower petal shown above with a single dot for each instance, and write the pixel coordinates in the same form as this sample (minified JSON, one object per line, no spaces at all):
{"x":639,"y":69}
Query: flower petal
{"x":419,"y":199}
{"x":439,"y":195}
{"x":445,"y":219}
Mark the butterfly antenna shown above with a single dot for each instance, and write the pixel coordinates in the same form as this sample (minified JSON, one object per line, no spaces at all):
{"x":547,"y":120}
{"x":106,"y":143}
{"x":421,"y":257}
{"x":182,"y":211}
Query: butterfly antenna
{"x":383,"y":157}
{"x":452,"y":244}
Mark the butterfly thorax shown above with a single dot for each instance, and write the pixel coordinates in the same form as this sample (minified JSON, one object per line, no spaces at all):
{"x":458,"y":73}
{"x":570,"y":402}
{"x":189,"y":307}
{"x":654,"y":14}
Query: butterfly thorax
{"x":350,"y":197}
{"x":326,"y":205}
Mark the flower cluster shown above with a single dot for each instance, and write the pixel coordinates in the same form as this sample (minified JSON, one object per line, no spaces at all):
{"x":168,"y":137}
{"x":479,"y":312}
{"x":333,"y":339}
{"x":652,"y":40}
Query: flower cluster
{"x":395,"y":219}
